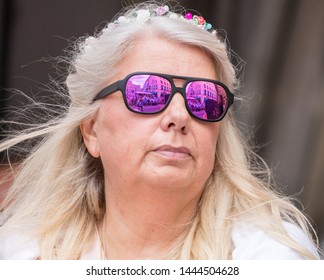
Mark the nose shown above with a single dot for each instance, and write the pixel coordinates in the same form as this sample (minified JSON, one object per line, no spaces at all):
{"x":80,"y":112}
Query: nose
{"x":176,"y":115}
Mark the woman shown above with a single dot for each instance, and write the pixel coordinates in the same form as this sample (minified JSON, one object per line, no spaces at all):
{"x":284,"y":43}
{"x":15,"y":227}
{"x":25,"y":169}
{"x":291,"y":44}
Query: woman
{"x":111,"y":180}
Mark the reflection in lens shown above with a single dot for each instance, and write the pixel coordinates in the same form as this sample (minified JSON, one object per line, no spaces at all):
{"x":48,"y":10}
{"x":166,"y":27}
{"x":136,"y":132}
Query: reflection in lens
{"x":147,"y":93}
{"x":206,"y":100}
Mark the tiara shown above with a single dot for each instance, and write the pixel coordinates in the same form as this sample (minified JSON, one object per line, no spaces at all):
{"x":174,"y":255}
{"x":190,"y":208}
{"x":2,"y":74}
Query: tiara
{"x":145,"y":15}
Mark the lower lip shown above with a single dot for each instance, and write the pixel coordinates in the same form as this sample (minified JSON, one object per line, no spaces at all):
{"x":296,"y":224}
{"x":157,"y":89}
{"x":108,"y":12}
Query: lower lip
{"x":173,"y":155}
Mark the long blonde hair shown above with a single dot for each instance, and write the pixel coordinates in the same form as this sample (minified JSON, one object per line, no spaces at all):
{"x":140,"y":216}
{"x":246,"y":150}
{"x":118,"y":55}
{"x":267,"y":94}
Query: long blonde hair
{"x":58,"y":193}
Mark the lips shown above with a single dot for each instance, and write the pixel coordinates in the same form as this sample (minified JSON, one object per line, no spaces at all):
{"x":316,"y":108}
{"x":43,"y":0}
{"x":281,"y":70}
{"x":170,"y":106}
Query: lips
{"x":173,"y":152}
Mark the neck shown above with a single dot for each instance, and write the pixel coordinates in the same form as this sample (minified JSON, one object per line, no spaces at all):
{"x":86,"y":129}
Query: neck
{"x":147,"y":223}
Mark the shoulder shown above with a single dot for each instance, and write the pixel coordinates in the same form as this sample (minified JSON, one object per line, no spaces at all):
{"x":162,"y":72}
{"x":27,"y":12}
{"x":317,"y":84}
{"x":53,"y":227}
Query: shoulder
{"x":18,"y":247}
{"x":252,"y":243}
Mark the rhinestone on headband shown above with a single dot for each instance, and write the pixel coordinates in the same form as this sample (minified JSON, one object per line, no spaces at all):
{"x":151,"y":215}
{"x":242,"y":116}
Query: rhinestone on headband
{"x":145,"y":15}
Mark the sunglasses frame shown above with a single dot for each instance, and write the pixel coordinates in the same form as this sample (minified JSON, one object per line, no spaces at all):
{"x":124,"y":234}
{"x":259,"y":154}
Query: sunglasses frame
{"x":121,"y":86}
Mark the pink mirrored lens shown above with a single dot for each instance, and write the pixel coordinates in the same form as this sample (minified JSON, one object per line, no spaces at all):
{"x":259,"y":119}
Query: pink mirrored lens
{"x":147,"y":93}
{"x":206,"y":100}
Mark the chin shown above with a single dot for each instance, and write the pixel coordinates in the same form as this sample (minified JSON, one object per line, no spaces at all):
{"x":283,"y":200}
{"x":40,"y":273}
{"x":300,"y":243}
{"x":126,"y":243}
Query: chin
{"x":171,"y":179}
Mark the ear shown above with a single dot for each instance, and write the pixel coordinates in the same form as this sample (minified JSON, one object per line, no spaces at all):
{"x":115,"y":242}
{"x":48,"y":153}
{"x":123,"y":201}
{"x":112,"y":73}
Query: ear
{"x":90,"y":138}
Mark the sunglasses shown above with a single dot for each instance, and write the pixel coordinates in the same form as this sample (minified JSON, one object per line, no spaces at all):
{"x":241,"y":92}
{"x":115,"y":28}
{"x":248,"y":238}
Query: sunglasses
{"x":151,"y":93}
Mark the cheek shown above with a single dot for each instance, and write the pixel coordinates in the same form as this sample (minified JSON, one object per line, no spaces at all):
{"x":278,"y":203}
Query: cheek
{"x":110,"y":132}
{"x":121,"y":135}
{"x":208,"y":142}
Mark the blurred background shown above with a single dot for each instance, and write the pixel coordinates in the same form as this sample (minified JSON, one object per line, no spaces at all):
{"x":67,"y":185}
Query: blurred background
{"x":277,"y":45}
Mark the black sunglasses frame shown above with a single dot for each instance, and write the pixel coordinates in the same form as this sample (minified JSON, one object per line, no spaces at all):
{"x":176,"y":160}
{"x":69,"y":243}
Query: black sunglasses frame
{"x":121,"y":85}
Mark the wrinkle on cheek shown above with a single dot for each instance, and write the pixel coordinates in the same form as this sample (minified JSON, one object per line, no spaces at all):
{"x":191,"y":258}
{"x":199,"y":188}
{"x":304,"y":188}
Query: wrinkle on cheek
{"x":206,"y":154}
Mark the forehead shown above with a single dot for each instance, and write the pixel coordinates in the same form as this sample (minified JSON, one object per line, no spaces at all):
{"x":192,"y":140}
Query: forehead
{"x":156,"y":54}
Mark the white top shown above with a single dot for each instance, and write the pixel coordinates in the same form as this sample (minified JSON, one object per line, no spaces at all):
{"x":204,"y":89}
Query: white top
{"x":250,"y":243}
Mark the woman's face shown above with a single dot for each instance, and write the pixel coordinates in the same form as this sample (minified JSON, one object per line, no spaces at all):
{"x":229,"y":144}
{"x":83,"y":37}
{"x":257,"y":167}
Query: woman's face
{"x":169,"y":150}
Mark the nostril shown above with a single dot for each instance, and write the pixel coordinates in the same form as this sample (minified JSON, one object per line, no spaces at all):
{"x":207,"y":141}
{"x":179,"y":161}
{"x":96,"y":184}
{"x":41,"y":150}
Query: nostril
{"x":183,"y":128}
{"x":171,"y":125}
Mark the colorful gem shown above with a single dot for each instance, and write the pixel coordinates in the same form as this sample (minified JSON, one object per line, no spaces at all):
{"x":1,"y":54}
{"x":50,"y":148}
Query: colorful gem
{"x":194,"y":21}
{"x":201,"y":20}
{"x":208,"y":26}
{"x":188,"y":16}
{"x":160,"y":11}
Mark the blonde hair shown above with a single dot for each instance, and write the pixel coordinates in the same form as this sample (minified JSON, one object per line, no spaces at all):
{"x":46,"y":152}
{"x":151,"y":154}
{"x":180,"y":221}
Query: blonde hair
{"x":58,"y":193}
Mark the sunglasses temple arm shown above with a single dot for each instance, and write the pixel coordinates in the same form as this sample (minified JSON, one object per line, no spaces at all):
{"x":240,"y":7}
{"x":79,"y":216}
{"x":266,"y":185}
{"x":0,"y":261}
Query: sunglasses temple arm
{"x":231,"y":97}
{"x":108,"y":90}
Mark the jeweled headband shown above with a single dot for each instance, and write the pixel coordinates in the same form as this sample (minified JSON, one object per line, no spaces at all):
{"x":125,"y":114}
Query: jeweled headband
{"x":145,"y":15}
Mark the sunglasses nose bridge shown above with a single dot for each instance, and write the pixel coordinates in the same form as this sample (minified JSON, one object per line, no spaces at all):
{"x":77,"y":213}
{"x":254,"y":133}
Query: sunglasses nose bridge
{"x":179,"y":90}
